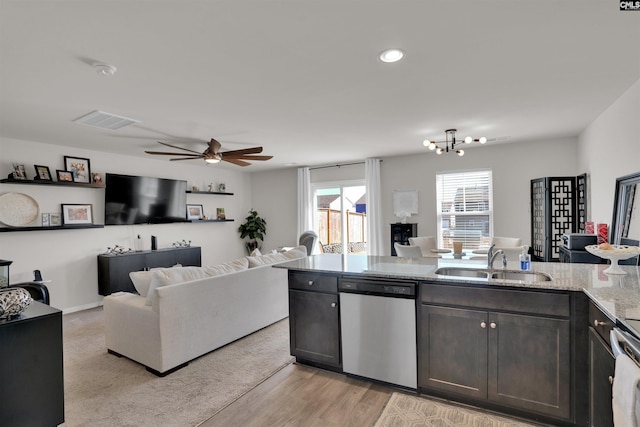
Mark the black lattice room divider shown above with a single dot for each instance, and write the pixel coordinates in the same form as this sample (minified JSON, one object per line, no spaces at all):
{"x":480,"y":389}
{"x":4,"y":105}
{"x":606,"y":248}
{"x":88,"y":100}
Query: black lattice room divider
{"x":558,"y":206}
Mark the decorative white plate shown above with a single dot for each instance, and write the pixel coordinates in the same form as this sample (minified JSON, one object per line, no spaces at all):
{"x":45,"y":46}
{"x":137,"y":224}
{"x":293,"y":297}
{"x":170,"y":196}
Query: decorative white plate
{"x":440,"y":251}
{"x":617,"y":253}
{"x":18,"y":209}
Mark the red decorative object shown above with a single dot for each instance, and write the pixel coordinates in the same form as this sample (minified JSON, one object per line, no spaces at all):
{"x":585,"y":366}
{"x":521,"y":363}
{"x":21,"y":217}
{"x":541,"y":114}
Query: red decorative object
{"x":603,"y":233}
{"x":588,"y":227}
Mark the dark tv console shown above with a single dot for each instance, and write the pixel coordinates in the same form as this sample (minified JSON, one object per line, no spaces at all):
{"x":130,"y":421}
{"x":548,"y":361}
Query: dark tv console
{"x":113,"y":270}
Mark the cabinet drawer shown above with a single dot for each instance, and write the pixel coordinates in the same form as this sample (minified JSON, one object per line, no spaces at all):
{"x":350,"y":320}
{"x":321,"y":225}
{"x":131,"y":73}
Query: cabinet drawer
{"x":313,"y":282}
{"x":600,"y":322}
{"x":524,"y":301}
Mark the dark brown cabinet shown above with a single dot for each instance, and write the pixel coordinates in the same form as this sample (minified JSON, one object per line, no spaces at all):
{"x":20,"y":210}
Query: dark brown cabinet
{"x":113,"y":270}
{"x":314,"y":319}
{"x":400,"y":233}
{"x":601,"y":368}
{"x":506,"y":347}
{"x":32,"y":385}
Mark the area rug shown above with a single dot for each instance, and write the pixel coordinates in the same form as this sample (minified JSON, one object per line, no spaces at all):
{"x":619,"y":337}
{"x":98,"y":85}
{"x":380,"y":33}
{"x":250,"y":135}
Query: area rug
{"x":403,"y":410}
{"x":104,"y":390}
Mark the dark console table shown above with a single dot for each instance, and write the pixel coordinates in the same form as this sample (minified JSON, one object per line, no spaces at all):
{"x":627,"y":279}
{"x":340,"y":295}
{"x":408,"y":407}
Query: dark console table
{"x":31,"y":369}
{"x":113,"y":270}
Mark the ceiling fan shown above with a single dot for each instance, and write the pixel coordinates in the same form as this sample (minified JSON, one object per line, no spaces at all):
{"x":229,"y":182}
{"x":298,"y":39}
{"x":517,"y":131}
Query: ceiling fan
{"x":213,"y":154}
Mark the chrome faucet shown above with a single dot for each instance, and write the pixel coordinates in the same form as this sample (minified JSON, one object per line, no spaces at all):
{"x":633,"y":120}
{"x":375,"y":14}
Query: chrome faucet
{"x":491,"y":256}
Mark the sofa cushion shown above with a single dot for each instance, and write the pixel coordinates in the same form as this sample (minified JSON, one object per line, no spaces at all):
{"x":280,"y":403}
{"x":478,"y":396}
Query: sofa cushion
{"x":297,"y":252}
{"x":171,"y":276}
{"x":239,"y":264}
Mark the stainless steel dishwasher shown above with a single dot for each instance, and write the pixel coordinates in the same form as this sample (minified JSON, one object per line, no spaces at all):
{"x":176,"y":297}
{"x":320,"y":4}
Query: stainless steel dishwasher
{"x":378,"y":326}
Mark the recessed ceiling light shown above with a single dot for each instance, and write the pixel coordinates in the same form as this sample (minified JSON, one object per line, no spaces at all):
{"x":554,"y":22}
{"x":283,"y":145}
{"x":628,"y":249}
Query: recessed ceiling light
{"x":104,"y":69}
{"x":392,"y":55}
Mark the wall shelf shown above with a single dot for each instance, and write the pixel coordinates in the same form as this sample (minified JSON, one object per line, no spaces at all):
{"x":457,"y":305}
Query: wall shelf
{"x":211,"y":220}
{"x":210,"y":192}
{"x":55,"y":227}
{"x":44,"y":182}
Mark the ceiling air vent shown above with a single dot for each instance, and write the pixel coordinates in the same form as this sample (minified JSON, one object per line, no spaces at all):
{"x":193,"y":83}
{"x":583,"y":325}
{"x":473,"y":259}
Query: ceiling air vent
{"x":103,"y":120}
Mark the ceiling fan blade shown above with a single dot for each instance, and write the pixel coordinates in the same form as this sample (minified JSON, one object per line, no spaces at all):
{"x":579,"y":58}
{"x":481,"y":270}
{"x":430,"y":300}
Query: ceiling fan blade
{"x":173,"y":154}
{"x":236,"y":162}
{"x":248,"y":157}
{"x":187,"y":158}
{"x":215,"y":146}
{"x":254,"y":150}
{"x":179,"y":148}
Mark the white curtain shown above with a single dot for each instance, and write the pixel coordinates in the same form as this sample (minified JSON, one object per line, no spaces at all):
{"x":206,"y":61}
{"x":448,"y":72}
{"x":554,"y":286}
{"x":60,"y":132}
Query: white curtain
{"x":374,"y":207}
{"x":305,"y":220}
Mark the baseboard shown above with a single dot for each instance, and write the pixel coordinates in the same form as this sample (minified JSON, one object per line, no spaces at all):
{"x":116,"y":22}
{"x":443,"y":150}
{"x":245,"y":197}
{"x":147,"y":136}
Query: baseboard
{"x":81,"y":307}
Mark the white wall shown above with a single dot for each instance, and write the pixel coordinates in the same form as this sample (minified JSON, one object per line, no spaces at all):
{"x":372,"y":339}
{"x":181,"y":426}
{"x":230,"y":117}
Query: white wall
{"x":68,"y":257}
{"x":610,"y":148}
{"x":513,"y":165}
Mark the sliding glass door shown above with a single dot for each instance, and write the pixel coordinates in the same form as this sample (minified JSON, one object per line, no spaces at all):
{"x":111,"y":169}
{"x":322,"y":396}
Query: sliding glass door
{"x":340,"y":215}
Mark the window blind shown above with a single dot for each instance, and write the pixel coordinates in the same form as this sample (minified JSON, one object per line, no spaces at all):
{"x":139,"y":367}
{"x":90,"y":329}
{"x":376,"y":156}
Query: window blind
{"x":464,"y":208}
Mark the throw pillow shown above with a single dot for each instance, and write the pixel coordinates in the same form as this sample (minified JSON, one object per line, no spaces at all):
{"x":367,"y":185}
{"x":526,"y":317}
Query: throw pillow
{"x":229,"y":267}
{"x":255,"y":252}
{"x":142,"y":279}
{"x":297,"y":252}
{"x":255,"y":261}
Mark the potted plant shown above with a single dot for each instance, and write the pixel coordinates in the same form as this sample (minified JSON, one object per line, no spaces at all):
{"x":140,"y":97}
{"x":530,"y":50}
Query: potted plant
{"x":254,"y":228}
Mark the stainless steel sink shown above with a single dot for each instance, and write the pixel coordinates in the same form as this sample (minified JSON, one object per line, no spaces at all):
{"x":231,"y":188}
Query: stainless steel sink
{"x":525,"y":276}
{"x":478,"y":273}
{"x":463,"y":272}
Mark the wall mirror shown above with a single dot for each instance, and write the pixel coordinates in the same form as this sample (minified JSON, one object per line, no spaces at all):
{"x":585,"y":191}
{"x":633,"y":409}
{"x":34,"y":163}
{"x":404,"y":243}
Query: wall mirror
{"x":626,"y":213}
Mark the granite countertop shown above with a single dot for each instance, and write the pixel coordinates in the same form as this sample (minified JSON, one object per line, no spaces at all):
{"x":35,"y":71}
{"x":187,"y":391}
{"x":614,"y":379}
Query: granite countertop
{"x":618,"y":295}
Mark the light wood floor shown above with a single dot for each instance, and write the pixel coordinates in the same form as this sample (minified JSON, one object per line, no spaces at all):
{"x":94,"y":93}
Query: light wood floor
{"x":299,"y":395}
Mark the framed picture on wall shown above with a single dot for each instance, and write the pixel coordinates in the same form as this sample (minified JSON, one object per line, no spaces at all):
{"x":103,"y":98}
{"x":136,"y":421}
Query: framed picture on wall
{"x":194,"y":212}
{"x":79,"y":168}
{"x":42,"y":173}
{"x":77,"y":214}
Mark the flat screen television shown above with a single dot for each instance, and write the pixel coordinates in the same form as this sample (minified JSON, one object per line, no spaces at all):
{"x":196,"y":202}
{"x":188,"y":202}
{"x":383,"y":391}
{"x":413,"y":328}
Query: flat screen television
{"x":143,"y":200}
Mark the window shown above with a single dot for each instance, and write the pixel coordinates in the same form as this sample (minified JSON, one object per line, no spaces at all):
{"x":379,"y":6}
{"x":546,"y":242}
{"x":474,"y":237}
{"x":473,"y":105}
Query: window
{"x":465,"y":208}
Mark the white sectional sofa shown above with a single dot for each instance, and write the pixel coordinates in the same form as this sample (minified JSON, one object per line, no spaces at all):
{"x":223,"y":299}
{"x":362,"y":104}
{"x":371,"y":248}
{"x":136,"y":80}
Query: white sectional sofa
{"x":185,"y":312}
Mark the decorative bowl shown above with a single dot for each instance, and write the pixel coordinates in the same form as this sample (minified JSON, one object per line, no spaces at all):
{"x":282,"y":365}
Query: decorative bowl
{"x":615,"y":254}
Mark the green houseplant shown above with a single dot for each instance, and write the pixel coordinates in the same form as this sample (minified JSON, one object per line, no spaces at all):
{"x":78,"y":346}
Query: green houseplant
{"x":254,"y":228}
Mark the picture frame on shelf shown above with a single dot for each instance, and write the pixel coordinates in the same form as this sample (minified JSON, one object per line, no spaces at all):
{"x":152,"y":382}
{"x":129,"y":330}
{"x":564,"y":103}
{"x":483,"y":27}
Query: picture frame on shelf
{"x":64,"y":176}
{"x":74,"y":214}
{"x":220,"y":213}
{"x":42,"y":173}
{"x":55,"y":219}
{"x":97,"y":178}
{"x":79,"y":167}
{"x":45,"y":220}
{"x":19,"y":171}
{"x":194,"y":212}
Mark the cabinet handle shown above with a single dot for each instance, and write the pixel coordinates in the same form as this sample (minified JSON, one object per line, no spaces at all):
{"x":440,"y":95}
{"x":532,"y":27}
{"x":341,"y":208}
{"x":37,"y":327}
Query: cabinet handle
{"x":493,"y":325}
{"x":598,"y":323}
{"x":483,"y":325}
{"x":310,"y":282}
{"x":334,"y":305}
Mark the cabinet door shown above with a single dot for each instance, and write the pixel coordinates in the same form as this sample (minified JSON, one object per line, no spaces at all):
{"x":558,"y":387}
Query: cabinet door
{"x":601,"y":369}
{"x":161,"y":259}
{"x":530,"y":363}
{"x":452,"y":354}
{"x":314,"y":323}
{"x":188,"y":257}
{"x":113,"y":272}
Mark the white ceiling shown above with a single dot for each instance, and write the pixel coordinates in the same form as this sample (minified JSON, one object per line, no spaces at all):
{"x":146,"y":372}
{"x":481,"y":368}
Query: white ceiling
{"x":302,"y":77}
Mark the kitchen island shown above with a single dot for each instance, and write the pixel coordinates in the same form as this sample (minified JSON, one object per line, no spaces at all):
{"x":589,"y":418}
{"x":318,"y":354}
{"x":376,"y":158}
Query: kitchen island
{"x":517,"y":346}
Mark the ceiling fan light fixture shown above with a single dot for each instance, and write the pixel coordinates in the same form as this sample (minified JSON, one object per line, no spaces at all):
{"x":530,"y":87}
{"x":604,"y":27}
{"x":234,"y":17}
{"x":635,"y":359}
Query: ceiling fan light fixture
{"x":468,"y":140}
{"x":213,"y":159}
{"x":392,"y":55}
{"x":439,"y":151}
{"x":460,"y":153}
{"x":450,"y":143}
{"x":482,"y":140}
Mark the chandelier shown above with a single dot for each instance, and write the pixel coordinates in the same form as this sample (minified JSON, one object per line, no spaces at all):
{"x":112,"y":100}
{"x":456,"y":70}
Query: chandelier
{"x":450,"y":143}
